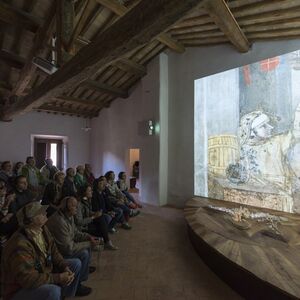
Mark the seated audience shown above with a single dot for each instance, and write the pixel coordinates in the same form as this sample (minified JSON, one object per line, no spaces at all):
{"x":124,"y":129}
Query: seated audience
{"x":121,"y":183}
{"x":89,"y":176}
{"x":69,"y":189}
{"x":32,"y":266}
{"x":22,"y":197}
{"x":117,"y":198}
{"x":53,"y":193}
{"x":48,"y":170}
{"x":23,"y":194}
{"x":79,"y":179}
{"x":92,"y":222}
{"x":33,"y":175}
{"x":101,"y":202}
{"x":18,"y":169}
{"x":71,"y":242}
{"x":6,"y":174}
{"x":8,"y":224}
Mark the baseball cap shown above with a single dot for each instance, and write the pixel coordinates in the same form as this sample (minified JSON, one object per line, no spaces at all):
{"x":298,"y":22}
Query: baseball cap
{"x":29,"y":211}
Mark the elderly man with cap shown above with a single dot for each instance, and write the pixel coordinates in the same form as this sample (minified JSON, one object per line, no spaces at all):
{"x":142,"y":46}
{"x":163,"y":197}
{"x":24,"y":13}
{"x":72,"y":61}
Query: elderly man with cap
{"x":32,"y":267}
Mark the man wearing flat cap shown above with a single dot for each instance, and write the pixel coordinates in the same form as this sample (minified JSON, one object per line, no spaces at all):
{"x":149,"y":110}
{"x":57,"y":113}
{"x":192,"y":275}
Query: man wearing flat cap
{"x":32,"y":267}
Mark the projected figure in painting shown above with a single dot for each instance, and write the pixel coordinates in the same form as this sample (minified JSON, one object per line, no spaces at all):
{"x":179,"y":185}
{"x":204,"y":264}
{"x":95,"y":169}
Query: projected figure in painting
{"x":264,"y":158}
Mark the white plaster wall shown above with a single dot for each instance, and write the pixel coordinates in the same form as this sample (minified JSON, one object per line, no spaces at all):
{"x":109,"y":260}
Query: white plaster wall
{"x":183,"y":70}
{"x":124,"y":126}
{"x":16,"y":136}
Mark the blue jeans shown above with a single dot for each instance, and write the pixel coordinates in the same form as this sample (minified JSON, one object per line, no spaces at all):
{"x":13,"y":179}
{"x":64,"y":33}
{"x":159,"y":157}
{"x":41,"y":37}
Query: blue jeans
{"x":85,"y":257}
{"x":52,"y":291}
{"x":128,"y":196}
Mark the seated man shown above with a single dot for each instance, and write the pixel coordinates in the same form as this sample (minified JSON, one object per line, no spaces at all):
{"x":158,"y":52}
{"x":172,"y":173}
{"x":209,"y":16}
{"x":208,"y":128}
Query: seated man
{"x":122,"y":185}
{"x":48,"y":170}
{"x":70,"y":241}
{"x":22,"y":197}
{"x":88,"y":174}
{"x":6,"y":227}
{"x":23,"y":194}
{"x":33,"y":175}
{"x":117,"y":198}
{"x":79,"y":179}
{"x":53,"y":193}
{"x":32,"y":267}
{"x":69,"y":189}
{"x":6,"y":174}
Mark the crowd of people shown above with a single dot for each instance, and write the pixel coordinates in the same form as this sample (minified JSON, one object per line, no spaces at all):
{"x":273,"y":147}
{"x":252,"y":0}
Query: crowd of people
{"x":52,"y":222}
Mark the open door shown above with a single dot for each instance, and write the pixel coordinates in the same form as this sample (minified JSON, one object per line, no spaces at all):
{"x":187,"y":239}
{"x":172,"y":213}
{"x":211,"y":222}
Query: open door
{"x":48,"y":148}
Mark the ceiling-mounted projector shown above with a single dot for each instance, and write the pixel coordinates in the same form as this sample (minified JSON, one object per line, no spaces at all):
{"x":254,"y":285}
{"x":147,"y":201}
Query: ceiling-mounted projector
{"x":44,"y":65}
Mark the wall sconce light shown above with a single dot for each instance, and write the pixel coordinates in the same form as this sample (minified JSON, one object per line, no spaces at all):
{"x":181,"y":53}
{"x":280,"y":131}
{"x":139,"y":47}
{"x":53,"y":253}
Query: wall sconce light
{"x":151,"y":127}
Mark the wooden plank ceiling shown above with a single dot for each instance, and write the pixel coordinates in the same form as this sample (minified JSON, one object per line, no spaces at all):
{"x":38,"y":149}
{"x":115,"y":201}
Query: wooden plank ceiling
{"x":102,"y":47}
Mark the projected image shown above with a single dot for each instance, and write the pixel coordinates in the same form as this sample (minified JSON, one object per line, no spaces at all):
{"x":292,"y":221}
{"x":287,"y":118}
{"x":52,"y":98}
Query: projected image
{"x":247,"y":134}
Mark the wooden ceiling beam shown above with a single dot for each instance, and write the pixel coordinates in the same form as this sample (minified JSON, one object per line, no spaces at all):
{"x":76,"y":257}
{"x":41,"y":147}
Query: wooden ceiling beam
{"x":163,"y":38}
{"x":105,"y":88}
{"x":248,"y":14}
{"x":171,"y":43}
{"x":118,"y":8}
{"x":224,"y":19}
{"x":40,"y":39}
{"x":122,"y":37}
{"x":279,"y":15}
{"x":17,"y":17}
{"x":86,"y":11}
{"x":288,"y":24}
{"x":74,"y":100}
{"x":131,"y":66}
{"x":13,"y":60}
{"x":63,"y":110}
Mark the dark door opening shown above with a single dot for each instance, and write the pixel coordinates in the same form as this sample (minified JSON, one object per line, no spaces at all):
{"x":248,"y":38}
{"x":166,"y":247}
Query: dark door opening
{"x":48,"y":148}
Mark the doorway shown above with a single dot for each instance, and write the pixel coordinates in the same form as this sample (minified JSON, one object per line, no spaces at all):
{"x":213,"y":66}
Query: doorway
{"x":48,"y":148}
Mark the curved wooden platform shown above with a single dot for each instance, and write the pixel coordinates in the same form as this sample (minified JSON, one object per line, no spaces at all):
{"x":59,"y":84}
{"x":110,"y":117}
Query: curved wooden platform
{"x":258,"y":262}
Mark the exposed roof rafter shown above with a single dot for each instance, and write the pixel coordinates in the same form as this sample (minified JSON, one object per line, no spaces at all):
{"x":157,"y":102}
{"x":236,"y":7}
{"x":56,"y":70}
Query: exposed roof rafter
{"x":121,"y":10}
{"x":222,"y":16}
{"x":119,"y":39}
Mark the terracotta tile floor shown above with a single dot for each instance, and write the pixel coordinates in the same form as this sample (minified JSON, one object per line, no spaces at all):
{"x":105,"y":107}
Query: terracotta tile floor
{"x":155,"y":262}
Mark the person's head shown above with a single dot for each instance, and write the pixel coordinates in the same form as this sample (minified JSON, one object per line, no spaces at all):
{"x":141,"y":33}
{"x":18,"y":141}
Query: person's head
{"x":19,"y":165}
{"x":6,"y":166}
{"x":21,"y":183}
{"x":30,"y":161}
{"x":101,"y":183}
{"x":136,"y":163}
{"x":122,"y":176}
{"x":80,"y":170}
{"x":86,"y":192}
{"x":32,"y":215}
{"x":261,"y":127}
{"x":110,"y":176}
{"x":70,"y":172}
{"x":2,"y":188}
{"x":69,"y":205}
{"x":88,"y":168}
{"x":49,"y":162}
{"x":59,"y":177}
{"x":254,"y":126}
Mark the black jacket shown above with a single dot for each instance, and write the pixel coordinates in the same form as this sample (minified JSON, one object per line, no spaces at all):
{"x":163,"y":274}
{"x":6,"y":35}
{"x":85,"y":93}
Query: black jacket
{"x":100,"y":201}
{"x":68,"y":188}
